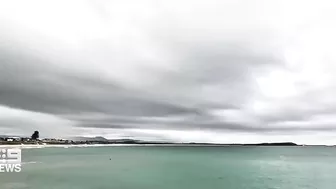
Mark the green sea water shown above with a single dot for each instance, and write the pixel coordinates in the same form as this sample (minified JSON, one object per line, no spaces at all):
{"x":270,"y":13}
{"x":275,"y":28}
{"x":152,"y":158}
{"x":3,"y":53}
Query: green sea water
{"x":175,"y":168}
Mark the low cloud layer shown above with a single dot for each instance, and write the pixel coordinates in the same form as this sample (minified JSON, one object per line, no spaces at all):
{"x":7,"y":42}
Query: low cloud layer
{"x":205,"y":71}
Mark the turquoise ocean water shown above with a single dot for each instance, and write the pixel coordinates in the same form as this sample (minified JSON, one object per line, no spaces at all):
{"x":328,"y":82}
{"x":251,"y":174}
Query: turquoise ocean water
{"x":175,"y":168}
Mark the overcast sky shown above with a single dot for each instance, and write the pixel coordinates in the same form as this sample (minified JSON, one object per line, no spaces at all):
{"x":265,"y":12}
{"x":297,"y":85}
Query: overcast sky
{"x":226,"y":71}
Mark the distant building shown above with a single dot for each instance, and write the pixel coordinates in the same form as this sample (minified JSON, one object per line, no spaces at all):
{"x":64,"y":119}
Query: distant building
{"x":13,"y":139}
{"x":25,"y":139}
{"x":55,"y":141}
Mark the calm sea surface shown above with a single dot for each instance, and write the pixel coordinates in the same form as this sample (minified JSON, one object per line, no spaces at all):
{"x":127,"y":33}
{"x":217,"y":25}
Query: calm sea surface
{"x":175,"y":168}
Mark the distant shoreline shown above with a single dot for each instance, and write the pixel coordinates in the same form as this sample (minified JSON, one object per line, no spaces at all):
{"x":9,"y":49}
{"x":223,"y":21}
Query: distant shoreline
{"x":133,"y":142}
{"x":28,"y":146}
{"x":81,"y":141}
{"x":25,"y":142}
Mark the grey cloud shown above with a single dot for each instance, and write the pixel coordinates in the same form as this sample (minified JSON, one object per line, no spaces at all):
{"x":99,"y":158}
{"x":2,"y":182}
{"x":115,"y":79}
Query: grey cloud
{"x":160,"y":69}
{"x":197,"y":122}
{"x":52,"y":90}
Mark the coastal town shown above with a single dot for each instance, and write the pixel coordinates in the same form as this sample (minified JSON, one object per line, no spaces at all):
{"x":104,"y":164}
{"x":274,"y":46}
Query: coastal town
{"x":35,"y":139}
{"x":17,"y":140}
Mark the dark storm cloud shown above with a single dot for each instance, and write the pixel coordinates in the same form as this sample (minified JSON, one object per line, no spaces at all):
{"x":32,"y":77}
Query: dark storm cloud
{"x":28,"y":82}
{"x":44,"y":87}
{"x":216,"y":67}
{"x":25,"y":85}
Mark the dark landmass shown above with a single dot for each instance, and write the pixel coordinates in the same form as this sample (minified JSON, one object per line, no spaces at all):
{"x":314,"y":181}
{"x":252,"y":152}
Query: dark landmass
{"x":101,"y":140}
{"x":274,"y":144}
